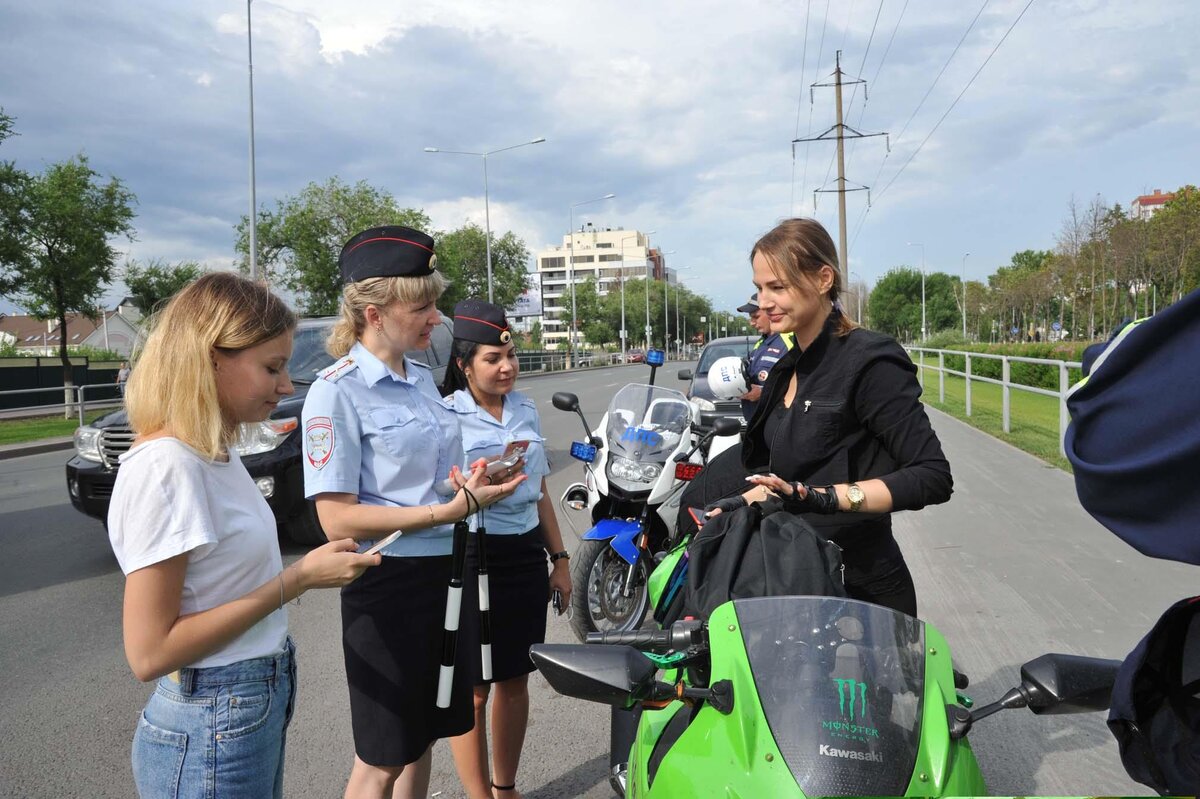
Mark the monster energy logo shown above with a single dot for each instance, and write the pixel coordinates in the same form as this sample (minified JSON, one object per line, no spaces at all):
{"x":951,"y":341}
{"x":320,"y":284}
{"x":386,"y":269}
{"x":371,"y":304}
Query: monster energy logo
{"x":847,"y":692}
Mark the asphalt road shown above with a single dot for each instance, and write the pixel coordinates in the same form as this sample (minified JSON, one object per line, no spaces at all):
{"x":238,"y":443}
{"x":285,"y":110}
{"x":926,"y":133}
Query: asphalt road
{"x":1010,"y":568}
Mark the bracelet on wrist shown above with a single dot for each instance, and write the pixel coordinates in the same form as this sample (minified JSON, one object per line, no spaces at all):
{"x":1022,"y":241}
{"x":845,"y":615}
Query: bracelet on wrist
{"x":557,"y":556}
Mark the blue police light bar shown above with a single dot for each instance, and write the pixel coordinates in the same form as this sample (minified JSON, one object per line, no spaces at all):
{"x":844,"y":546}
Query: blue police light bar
{"x":655,"y":357}
{"x":583,"y":452}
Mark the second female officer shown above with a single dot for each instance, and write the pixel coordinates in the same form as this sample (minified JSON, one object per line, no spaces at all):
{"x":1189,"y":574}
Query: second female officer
{"x":378,"y":442}
{"x":521,"y":532}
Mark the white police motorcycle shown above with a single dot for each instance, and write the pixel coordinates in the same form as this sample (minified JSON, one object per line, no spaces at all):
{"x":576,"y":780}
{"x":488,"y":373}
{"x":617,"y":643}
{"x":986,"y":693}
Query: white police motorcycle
{"x":637,"y":462}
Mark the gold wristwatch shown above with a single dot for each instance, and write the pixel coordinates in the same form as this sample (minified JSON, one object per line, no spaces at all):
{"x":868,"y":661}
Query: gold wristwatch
{"x":856,"y":496}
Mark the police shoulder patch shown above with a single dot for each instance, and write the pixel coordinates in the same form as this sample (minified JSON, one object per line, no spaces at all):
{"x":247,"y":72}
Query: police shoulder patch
{"x":318,"y":441}
{"x":339,"y":370}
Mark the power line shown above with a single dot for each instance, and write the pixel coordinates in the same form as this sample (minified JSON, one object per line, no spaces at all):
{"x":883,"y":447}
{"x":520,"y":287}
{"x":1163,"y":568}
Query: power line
{"x":799,"y":103}
{"x":867,"y":210}
{"x":874,"y":80}
{"x":854,"y":91}
{"x":820,"y":52}
{"x":942,"y":72}
{"x":959,"y":97}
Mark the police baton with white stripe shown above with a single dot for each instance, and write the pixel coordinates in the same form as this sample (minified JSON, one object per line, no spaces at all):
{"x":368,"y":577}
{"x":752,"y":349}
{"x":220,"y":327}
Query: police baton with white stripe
{"x":458,"y":565}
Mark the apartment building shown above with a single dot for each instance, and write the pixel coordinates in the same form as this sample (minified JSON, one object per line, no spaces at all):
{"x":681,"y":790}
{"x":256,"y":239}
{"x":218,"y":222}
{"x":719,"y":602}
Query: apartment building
{"x":607,"y":254}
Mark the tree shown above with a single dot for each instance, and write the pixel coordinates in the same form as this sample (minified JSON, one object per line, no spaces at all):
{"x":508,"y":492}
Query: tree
{"x":299,"y":242}
{"x":156,"y":282}
{"x":462,"y":258}
{"x":895,"y":304}
{"x":55,"y":258}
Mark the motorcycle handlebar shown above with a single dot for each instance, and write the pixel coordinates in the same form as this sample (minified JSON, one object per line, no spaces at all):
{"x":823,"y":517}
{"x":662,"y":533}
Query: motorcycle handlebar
{"x":651,"y":640}
{"x":679,"y":637}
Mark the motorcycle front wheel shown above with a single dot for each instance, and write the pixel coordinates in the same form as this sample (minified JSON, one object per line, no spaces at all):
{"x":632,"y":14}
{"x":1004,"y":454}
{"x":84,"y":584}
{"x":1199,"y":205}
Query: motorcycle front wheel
{"x":597,"y":604}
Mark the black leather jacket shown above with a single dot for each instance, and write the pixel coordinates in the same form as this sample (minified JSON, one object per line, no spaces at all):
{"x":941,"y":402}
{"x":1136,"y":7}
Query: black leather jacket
{"x":857,"y":415}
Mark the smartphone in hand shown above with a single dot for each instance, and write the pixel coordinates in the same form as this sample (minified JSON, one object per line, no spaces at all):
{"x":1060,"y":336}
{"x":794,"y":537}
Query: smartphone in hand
{"x":556,"y":601}
{"x":383,"y":542}
{"x":511,"y":456}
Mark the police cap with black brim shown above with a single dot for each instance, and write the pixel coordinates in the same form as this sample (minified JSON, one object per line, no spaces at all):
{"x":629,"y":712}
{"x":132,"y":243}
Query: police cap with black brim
{"x":387,"y":251}
{"x":751,"y":306}
{"x":481,"y":322}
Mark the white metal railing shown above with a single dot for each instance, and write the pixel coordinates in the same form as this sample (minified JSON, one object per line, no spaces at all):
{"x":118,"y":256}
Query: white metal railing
{"x":1005,"y":382}
{"x":74,"y":399}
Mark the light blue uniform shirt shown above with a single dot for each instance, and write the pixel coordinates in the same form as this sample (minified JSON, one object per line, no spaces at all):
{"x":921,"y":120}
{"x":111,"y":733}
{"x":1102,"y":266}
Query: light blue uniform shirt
{"x":485,"y":437}
{"x":387,"y":439}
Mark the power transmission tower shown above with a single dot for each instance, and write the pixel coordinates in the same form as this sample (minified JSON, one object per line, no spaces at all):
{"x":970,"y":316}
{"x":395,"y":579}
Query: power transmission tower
{"x":841,"y":132}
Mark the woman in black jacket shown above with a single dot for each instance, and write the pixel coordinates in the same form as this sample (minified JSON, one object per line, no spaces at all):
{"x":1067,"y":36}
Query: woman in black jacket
{"x":840,"y":433}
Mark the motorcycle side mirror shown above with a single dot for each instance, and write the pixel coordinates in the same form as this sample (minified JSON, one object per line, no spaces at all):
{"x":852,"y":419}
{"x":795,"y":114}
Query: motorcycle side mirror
{"x":684,"y":374}
{"x":611,"y":675}
{"x":565,"y":401}
{"x":1051,"y":684}
{"x":1055,"y":684}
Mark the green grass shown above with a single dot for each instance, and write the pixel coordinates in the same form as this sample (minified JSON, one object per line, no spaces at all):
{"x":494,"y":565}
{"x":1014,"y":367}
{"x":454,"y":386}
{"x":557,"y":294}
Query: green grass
{"x":35,"y":428}
{"x":1033,"y":418}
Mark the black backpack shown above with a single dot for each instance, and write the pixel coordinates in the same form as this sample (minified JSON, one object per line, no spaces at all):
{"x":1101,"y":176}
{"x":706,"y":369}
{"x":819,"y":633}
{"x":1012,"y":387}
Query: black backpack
{"x":759,"y":551}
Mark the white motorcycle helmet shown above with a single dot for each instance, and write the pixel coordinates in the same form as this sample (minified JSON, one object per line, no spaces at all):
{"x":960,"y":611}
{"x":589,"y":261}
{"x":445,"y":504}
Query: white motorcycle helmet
{"x":729,"y":378}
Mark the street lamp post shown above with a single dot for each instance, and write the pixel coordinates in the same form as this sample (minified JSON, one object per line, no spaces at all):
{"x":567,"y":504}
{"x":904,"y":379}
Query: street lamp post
{"x":571,"y":264}
{"x":924,"y":332}
{"x":624,"y":337}
{"x":858,"y":293}
{"x":253,"y":201}
{"x":487,"y":213}
{"x":666,"y":305}
{"x":964,"y":279}
{"x":667,"y":310}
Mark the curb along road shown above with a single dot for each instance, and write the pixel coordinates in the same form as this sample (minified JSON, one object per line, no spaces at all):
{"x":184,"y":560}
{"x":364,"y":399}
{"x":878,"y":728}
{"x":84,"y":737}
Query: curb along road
{"x":35,"y":447}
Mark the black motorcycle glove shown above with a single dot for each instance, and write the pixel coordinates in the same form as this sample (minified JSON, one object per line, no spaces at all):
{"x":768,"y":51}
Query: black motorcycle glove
{"x":814,"y":501}
{"x":726,"y":505}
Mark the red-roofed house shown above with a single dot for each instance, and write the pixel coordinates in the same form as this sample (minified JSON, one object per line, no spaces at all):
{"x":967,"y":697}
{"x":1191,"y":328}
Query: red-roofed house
{"x":115,"y":330}
{"x":1148,"y":205}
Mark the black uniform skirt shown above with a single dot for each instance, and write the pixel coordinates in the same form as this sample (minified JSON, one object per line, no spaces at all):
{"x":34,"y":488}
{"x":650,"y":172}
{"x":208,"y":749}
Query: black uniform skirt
{"x":393,"y":621}
{"x":519,"y":587}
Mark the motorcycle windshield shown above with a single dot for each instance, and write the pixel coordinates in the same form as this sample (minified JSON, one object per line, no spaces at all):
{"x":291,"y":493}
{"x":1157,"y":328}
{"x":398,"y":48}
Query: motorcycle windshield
{"x":645,"y":423}
{"x":840,"y":683}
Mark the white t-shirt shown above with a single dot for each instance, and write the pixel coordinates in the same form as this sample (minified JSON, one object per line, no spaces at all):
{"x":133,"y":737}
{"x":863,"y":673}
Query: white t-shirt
{"x":169,"y":499}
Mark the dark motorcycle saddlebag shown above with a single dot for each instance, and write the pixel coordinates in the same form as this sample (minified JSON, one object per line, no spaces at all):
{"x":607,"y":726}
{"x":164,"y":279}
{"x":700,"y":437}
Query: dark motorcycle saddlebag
{"x":745,"y":553}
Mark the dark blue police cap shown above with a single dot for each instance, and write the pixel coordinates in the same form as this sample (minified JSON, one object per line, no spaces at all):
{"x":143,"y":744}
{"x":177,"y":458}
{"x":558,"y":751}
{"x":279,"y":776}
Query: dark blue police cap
{"x":387,"y":251}
{"x":481,"y":322}
{"x":751,"y":306}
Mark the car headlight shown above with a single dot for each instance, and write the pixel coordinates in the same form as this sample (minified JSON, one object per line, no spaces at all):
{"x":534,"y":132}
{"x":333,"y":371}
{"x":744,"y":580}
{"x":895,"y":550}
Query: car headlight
{"x":703,"y":404}
{"x":257,"y":437}
{"x":87,"y":443}
{"x":626,"y":469}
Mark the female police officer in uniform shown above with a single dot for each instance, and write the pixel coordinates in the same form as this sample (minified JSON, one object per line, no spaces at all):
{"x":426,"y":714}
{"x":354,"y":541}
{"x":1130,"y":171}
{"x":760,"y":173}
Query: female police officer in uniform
{"x":377,"y":440}
{"x":521,"y":531}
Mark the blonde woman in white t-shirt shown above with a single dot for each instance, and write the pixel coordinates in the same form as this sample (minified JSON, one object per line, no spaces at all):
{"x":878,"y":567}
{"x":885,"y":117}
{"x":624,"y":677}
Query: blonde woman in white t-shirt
{"x":205,"y":586}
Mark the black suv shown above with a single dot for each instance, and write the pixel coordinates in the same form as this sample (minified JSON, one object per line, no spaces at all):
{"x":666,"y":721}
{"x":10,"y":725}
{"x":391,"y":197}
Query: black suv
{"x":270,"y":450}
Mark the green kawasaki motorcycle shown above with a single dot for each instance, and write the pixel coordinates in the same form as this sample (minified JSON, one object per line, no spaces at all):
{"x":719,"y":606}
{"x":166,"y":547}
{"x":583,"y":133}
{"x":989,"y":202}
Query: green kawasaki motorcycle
{"x":803,"y":696}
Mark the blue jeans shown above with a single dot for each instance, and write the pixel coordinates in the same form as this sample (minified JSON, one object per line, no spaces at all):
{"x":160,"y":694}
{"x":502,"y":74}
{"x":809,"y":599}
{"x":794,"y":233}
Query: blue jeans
{"x":217,"y":733}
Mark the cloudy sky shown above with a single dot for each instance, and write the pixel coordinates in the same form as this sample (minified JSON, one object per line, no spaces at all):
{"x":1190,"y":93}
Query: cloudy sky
{"x":684,"y":110}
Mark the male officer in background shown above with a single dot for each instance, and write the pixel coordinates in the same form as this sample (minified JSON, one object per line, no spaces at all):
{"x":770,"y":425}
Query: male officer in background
{"x":769,"y":348}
